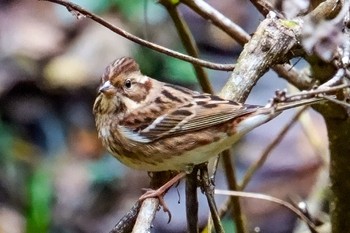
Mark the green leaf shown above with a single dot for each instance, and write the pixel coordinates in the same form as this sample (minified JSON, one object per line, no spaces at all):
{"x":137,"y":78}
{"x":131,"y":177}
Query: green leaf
{"x":40,"y":193}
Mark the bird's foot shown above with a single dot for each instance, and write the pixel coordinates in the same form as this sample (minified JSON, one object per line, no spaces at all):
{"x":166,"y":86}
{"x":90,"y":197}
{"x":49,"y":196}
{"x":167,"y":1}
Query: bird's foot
{"x":159,"y":193}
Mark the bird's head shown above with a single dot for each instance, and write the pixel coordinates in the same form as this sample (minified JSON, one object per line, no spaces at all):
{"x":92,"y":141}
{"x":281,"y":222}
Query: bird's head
{"x":123,"y":87}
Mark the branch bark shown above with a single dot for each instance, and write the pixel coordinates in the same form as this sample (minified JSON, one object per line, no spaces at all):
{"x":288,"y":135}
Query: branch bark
{"x":192,"y":201}
{"x":269,"y":45}
{"x":339,"y":134}
{"x":146,"y":215}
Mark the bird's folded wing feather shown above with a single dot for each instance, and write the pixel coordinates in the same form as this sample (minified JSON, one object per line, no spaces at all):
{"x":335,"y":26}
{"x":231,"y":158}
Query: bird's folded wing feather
{"x":205,"y":111}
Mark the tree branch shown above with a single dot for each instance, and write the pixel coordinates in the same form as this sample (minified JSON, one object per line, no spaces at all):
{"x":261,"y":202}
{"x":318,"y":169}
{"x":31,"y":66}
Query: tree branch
{"x":326,"y":9}
{"x":192,"y":201}
{"x":146,"y":215}
{"x":269,"y":45}
{"x":208,"y":190}
{"x":78,"y":10}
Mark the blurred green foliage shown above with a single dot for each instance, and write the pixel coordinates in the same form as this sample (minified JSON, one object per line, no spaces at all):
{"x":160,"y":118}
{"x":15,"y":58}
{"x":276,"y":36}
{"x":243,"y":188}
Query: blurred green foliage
{"x":165,"y":68}
{"x":40,"y":197}
{"x":131,"y":10}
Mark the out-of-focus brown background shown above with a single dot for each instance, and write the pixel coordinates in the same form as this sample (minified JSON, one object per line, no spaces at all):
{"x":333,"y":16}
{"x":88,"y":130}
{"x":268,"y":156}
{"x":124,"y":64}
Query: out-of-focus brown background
{"x":54,"y":174}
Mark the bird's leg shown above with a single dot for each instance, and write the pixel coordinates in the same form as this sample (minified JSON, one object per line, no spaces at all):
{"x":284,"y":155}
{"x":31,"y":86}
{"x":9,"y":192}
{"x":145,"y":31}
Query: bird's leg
{"x":159,"y":193}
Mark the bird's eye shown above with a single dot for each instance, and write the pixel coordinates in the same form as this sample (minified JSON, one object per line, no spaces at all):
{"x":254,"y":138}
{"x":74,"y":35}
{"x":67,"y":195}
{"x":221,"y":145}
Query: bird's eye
{"x":127,"y":83}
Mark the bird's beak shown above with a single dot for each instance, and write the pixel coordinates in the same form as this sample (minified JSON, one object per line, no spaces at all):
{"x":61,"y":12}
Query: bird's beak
{"x":105,"y":87}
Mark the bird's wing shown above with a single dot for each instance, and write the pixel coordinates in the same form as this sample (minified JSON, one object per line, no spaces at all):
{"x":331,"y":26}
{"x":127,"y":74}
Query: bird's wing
{"x":201,"y":111}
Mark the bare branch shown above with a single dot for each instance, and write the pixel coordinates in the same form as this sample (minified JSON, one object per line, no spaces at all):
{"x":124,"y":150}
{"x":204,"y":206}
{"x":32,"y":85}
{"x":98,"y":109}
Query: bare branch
{"x":208,"y":189}
{"x":342,"y":103}
{"x":323,"y":90}
{"x":146,"y":215}
{"x":192,"y":201}
{"x":84,"y":13}
{"x":325,"y":10}
{"x":258,"y":55}
{"x":236,"y":32}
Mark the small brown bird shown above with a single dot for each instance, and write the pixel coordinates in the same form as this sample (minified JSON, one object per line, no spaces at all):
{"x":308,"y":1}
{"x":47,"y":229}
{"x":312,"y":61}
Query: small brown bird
{"x":155,"y":126}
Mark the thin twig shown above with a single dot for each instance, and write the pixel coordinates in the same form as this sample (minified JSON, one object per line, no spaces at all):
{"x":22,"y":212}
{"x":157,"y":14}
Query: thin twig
{"x":317,"y":91}
{"x":208,"y":190}
{"x":260,"y":196}
{"x":75,"y":8}
{"x":192,"y":201}
{"x":253,"y":168}
{"x":342,"y":103}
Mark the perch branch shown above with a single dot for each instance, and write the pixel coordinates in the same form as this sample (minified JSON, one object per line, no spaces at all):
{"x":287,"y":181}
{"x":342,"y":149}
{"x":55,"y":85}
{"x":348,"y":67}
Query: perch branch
{"x":146,"y":215}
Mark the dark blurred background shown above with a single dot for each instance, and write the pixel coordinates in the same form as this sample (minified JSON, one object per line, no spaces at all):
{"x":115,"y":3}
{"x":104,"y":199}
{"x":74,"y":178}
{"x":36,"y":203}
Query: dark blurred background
{"x":54,"y":174}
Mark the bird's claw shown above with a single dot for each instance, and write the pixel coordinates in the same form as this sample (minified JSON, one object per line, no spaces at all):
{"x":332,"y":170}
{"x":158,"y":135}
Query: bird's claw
{"x":151,"y":193}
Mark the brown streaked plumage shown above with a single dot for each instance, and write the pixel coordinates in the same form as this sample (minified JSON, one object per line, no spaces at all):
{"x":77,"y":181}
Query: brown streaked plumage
{"x":155,"y":126}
